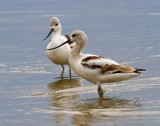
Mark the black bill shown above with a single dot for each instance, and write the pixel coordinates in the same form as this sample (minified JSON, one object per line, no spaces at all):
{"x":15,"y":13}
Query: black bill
{"x":68,"y":41}
{"x":49,"y":33}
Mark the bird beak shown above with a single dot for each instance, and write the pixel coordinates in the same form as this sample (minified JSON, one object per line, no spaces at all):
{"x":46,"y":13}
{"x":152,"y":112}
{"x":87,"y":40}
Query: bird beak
{"x":49,"y":33}
{"x":68,"y":41}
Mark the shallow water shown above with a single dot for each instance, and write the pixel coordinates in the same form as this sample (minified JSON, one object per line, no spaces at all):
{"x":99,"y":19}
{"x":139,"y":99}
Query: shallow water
{"x":31,"y":89}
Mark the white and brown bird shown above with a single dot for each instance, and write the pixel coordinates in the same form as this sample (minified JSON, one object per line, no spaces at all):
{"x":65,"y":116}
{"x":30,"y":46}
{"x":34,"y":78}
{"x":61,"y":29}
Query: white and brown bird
{"x":58,"y":56}
{"x":94,"y":68}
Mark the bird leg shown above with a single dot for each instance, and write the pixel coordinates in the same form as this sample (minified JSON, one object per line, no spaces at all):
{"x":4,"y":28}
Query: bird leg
{"x":100,"y":91}
{"x":63,"y":68}
{"x":70,"y":75}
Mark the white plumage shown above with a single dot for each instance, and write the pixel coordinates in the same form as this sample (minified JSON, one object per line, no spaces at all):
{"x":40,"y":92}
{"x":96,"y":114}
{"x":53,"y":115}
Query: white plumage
{"x":96,"y":69}
{"x":58,"y":56}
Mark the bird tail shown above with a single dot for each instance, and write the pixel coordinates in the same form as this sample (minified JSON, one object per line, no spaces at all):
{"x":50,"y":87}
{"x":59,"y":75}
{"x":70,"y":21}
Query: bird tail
{"x":138,"y":70}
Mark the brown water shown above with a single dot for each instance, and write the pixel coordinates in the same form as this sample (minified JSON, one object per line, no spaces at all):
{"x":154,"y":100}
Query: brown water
{"x":32,"y":92}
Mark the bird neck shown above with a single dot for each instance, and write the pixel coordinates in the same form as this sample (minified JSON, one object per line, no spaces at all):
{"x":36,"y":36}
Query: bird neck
{"x":77,"y":50}
{"x":56,"y":34}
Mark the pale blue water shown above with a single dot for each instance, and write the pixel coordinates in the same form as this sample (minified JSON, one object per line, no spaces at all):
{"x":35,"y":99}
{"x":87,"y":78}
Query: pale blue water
{"x":126,"y":31}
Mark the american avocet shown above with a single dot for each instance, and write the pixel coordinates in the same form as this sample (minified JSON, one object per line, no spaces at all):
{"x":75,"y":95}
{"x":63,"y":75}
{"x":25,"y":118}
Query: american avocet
{"x":60,"y":55}
{"x":94,"y":68}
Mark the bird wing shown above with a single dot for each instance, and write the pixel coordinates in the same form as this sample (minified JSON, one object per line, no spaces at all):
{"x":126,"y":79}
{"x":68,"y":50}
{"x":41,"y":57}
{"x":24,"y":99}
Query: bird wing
{"x":104,"y":65}
{"x":97,"y":60}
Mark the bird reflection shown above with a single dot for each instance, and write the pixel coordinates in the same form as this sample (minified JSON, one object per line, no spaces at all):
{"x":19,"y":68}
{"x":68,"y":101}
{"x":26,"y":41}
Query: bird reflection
{"x":64,"y":84}
{"x":101,"y":105}
{"x":106,"y":103}
{"x":69,"y":102}
{"x":62,"y":101}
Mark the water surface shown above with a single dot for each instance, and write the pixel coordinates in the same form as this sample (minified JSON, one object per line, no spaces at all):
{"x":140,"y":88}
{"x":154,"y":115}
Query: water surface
{"x":32,"y":92}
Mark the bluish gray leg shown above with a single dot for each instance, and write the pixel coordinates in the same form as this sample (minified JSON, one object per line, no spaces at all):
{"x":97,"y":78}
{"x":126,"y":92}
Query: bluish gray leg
{"x":63,"y":68}
{"x":70,"y":75}
{"x":100,"y":91}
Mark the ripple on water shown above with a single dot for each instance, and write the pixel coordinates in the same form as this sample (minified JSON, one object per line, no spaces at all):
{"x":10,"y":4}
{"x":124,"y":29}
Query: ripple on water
{"x":73,"y":98}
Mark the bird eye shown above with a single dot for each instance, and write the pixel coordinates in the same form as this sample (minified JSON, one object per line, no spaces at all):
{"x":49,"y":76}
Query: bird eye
{"x":56,"y":24}
{"x":73,"y":35}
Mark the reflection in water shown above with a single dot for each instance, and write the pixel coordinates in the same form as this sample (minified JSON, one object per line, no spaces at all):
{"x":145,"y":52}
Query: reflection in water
{"x":64,"y":102}
{"x":64,"y":84}
{"x":98,"y":109}
{"x":106,"y":103}
{"x":92,"y":109}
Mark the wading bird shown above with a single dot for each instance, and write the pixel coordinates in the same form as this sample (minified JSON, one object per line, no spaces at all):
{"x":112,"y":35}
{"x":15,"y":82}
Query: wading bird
{"x":60,"y":55}
{"x":94,"y":68}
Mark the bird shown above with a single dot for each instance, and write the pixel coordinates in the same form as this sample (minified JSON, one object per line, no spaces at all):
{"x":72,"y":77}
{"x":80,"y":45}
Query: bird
{"x":94,"y":68}
{"x":58,"y":56}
